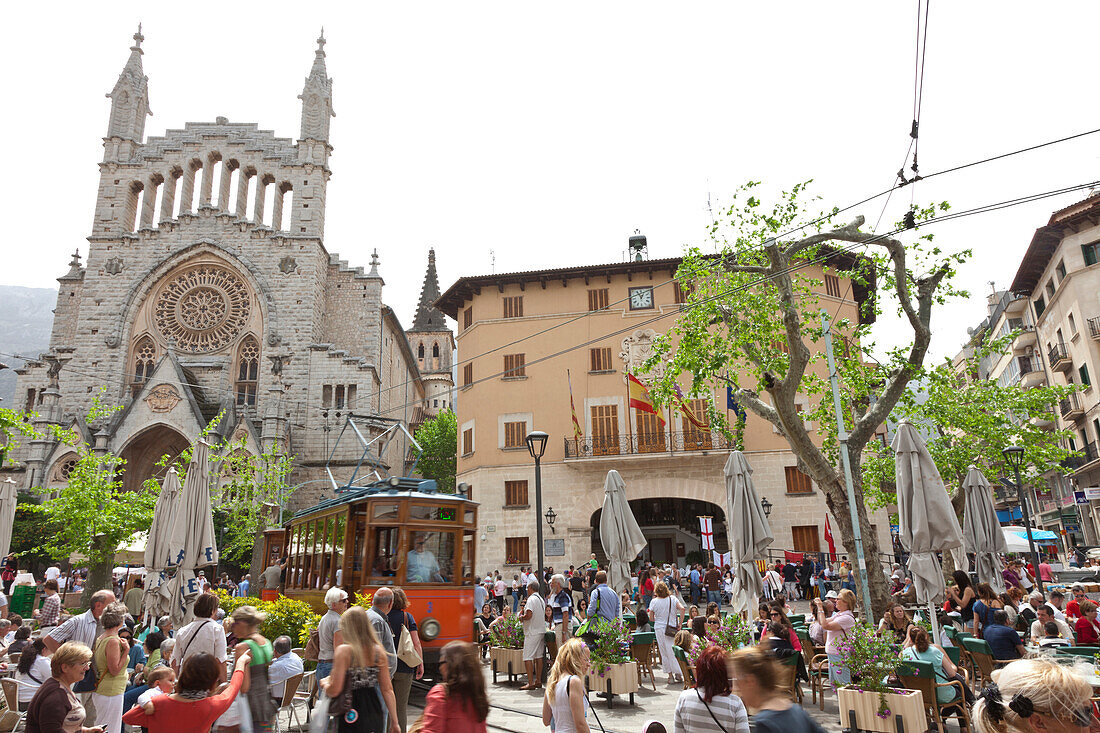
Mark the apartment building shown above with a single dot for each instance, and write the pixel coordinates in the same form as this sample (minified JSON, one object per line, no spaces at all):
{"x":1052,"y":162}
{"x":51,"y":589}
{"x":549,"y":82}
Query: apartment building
{"x":529,"y":343}
{"x":1060,"y":278}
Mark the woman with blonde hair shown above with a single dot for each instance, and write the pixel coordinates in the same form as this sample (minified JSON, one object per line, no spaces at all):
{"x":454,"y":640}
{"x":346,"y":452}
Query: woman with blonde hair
{"x":359,"y":686}
{"x":836,"y":629}
{"x":255,"y":687}
{"x":1034,"y":696}
{"x":565,"y":699}
{"x":459,"y":703}
{"x":666,"y":612}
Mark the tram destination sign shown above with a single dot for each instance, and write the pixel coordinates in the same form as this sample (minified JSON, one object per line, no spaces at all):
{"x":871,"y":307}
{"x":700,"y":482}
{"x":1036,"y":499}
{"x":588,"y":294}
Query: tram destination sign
{"x":554,"y":548}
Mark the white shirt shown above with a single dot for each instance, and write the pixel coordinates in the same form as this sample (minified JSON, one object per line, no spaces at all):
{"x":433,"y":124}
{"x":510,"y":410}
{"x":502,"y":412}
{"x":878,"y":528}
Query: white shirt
{"x":27,"y":685}
{"x":664,"y":611}
{"x":201,"y":635}
{"x":149,"y":695}
{"x":536,"y":625}
{"x":773,"y":579}
{"x":83,"y":628}
{"x":53,"y":572}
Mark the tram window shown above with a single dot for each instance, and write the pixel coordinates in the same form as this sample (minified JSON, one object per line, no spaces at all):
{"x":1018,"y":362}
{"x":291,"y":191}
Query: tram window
{"x":431,"y":558}
{"x":338,"y":549}
{"x":471,"y":517}
{"x":385,"y":511}
{"x":432,"y":513}
{"x":384,"y":555}
{"x":467,"y":558}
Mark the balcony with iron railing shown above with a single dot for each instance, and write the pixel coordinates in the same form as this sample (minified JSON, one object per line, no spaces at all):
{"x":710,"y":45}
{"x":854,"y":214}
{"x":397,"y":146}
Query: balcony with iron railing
{"x":1070,"y":407}
{"x":1094,"y":328}
{"x":1083,"y":458}
{"x":1058,"y":356}
{"x":690,"y":441}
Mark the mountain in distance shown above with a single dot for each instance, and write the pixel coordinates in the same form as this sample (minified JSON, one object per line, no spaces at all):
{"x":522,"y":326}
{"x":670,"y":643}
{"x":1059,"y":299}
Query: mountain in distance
{"x":25,"y":324}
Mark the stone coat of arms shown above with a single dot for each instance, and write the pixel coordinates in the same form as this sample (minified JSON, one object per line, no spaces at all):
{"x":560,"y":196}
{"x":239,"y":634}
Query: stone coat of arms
{"x":163,"y":398}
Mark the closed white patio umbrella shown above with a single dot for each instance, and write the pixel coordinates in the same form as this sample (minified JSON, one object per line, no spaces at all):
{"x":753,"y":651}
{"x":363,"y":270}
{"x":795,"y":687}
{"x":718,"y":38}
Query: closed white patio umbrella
{"x":8,"y":500}
{"x":154,"y":602}
{"x":749,"y":532}
{"x":191,"y":543}
{"x":928,"y":524}
{"x":982,"y":532}
{"x":620,"y":535}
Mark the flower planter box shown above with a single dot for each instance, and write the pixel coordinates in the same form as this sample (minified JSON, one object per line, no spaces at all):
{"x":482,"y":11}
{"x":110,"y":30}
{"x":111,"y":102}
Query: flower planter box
{"x":859,"y":711}
{"x":618,"y":679}
{"x":506,"y":661}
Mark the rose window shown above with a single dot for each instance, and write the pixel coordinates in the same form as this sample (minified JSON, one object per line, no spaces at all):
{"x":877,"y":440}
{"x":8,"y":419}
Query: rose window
{"x":202,"y":309}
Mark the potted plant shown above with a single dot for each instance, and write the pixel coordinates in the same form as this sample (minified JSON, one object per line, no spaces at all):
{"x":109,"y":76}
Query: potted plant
{"x":732,"y":634}
{"x":613,"y":670}
{"x":869,"y":703}
{"x":506,"y":647}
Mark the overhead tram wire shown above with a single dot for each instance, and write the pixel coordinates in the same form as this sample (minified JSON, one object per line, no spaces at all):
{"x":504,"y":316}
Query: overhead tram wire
{"x":785,"y":233}
{"x":127,"y":378}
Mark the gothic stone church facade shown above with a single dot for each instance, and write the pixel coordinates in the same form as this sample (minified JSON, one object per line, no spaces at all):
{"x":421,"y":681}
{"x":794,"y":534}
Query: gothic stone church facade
{"x":209,"y":289}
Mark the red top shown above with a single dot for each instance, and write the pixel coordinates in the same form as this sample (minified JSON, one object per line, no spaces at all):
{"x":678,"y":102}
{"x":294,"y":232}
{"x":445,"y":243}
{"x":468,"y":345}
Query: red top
{"x":647,"y":587}
{"x":175,"y":716}
{"x":1087,"y":632}
{"x":1073,"y":609}
{"x":443,"y":716}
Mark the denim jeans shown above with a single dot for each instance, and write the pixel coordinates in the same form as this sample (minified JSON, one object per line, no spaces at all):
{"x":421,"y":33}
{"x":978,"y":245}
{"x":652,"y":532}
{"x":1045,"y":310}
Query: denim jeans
{"x":821,"y":589}
{"x":696,"y":592}
{"x":714,"y":596}
{"x":323,"y":670}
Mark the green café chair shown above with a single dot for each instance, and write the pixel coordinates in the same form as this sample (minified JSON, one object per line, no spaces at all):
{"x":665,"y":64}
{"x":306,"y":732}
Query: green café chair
{"x":685,"y":668}
{"x":1088,"y":652}
{"x":921,"y":676}
{"x":641,"y":650}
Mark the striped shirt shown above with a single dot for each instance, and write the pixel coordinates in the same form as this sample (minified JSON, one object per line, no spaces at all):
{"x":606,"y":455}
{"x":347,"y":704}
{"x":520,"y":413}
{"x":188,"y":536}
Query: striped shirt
{"x":51,"y":611}
{"x":692,"y":717}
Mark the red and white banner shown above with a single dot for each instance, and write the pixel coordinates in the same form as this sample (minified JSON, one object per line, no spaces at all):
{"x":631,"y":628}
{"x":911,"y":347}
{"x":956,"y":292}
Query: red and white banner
{"x":706,"y":529}
{"x":721,"y":559}
{"x":829,"y":536}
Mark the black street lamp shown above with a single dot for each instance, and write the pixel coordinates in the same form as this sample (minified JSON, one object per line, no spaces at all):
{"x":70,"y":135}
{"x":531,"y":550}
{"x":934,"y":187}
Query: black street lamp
{"x":1014,"y":456}
{"x":536,"y":444}
{"x":551,"y":515}
{"x":766,"y":506}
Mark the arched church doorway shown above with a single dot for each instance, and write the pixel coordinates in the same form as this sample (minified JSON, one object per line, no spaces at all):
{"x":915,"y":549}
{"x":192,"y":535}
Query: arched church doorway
{"x":144,"y":452}
{"x":671,"y":528}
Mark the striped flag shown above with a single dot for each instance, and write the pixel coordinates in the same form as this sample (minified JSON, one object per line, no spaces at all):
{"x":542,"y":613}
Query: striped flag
{"x":688,"y":414}
{"x":577,"y":432}
{"x":829,"y":536}
{"x":639,"y":397}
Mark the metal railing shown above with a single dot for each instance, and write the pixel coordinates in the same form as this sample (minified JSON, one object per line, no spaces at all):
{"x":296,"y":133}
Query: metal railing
{"x":617,"y":445}
{"x":1094,"y":328}
{"x":1069,"y":404}
{"x":1057,"y":354}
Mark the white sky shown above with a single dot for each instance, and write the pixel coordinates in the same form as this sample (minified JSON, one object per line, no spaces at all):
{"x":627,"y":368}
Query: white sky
{"x":548,"y":132}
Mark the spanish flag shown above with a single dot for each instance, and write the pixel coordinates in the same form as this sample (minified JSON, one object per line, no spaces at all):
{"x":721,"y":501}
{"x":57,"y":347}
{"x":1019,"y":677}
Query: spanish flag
{"x":639,"y":397}
{"x":687,"y":413}
{"x":578,"y":434}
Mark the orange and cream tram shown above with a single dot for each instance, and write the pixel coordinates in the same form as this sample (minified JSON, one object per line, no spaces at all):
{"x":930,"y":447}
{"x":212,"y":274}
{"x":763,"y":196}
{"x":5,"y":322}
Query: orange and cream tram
{"x":394,"y":532}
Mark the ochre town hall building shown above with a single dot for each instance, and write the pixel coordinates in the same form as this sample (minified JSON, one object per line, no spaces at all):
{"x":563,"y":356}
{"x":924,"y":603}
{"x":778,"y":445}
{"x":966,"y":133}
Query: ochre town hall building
{"x":209,"y":288}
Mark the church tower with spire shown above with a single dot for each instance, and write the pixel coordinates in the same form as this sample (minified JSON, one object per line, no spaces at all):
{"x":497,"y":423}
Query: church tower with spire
{"x":433,"y":344}
{"x":129,"y":107}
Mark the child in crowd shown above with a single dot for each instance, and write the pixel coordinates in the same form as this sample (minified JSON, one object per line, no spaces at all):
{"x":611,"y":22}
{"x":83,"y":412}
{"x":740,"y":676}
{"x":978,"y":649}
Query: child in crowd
{"x":162,"y":681}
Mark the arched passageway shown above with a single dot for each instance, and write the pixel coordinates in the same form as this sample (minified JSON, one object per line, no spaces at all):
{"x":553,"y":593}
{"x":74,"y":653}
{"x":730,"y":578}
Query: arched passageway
{"x":144,"y":452}
{"x":671,"y":526}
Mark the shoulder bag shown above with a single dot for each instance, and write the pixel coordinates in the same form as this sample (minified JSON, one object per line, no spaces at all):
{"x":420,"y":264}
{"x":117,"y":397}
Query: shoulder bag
{"x":588,"y":628}
{"x":406,"y":650}
{"x":671,"y":629}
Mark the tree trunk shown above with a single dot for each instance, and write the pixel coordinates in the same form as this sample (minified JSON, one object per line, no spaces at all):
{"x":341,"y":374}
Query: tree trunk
{"x":99,"y":573}
{"x":836,"y":498}
{"x":258,"y":565}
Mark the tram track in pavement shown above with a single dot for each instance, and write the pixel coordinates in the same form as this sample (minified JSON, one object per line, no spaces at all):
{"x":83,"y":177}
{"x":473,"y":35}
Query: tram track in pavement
{"x":423,"y":687}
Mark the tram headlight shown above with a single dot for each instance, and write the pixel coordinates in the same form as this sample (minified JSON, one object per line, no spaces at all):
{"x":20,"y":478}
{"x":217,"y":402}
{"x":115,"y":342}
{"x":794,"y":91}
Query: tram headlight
{"x":429,"y":629}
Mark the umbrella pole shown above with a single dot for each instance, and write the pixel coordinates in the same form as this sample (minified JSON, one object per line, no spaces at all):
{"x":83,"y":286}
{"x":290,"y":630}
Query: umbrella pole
{"x":935,"y":622}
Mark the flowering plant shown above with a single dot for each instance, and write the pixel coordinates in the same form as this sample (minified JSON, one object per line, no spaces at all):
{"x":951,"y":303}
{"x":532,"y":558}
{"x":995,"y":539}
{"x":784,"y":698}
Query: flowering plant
{"x":732,"y":634}
{"x":612,"y":645}
{"x":870,"y":660}
{"x":507,"y":634}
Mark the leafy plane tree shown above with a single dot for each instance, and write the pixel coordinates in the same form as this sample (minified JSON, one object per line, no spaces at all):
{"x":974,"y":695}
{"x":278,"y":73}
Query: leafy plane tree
{"x":438,"y":439}
{"x":753,"y":312}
